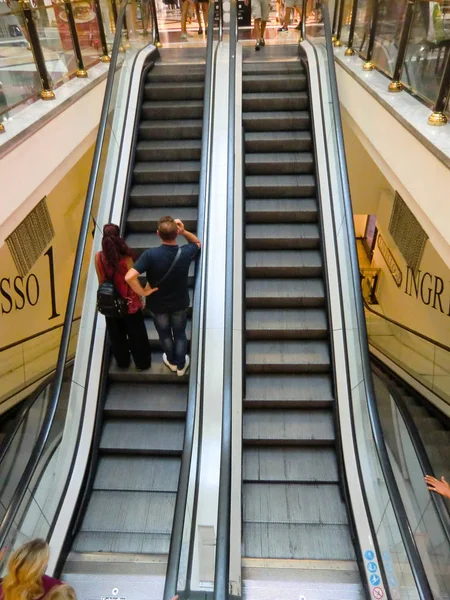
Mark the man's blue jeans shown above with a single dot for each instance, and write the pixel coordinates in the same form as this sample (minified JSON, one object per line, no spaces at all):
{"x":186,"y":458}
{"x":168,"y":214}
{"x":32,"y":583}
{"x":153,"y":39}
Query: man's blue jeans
{"x":171,"y":328}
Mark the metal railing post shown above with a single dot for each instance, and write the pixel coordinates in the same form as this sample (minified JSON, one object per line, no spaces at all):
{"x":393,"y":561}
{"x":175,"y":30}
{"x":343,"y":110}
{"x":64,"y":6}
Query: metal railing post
{"x":335,"y":18}
{"x":369,"y":65}
{"x":337,"y":41}
{"x":438,"y":117}
{"x":46,"y":93}
{"x":101,"y":27}
{"x":81,"y":71}
{"x":351,"y":33}
{"x":155,"y":28}
{"x":302,"y":35}
{"x":396,"y":85}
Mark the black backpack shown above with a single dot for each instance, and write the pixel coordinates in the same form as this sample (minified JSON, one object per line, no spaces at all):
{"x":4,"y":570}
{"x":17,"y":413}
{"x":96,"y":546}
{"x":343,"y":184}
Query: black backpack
{"x":109,"y":302}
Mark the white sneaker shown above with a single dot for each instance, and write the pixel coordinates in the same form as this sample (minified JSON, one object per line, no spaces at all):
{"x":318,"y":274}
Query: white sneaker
{"x":181,"y":372}
{"x":172,"y":367}
{"x":185,"y":36}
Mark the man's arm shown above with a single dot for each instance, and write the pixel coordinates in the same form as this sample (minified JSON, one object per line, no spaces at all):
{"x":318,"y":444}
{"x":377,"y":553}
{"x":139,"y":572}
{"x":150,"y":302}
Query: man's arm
{"x":190,"y":237}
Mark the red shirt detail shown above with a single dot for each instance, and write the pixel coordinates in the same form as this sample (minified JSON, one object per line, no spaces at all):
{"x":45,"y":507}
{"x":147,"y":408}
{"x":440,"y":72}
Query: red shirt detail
{"x":117,"y":276}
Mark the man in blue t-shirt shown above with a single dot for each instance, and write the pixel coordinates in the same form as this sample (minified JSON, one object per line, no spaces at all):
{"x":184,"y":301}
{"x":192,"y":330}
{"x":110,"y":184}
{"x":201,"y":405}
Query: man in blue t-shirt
{"x":168,"y":301}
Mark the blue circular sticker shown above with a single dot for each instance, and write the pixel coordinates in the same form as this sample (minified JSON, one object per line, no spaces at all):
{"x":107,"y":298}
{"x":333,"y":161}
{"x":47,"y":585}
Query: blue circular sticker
{"x":375,"y":580}
{"x":369,"y":555}
{"x":372,"y":567}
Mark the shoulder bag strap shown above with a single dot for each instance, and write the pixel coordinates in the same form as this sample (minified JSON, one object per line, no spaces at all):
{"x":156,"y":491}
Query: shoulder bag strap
{"x":174,"y":262}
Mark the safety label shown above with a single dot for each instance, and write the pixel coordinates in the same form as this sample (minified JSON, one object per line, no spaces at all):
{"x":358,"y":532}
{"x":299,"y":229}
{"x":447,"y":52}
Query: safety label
{"x":372,"y":567}
{"x":375,"y":580}
{"x":369,"y":555}
{"x":377,"y":593}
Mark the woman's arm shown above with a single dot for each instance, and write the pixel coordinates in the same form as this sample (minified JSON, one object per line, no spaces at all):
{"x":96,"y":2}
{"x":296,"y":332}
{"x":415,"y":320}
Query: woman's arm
{"x":100,"y":275}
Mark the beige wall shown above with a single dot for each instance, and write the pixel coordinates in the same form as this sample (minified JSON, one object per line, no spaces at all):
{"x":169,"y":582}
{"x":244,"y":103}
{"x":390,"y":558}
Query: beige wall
{"x":23,"y":315}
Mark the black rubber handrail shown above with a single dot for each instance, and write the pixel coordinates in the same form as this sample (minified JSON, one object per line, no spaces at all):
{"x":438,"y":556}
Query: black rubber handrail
{"x":222,"y":563}
{"x":406,"y":328}
{"x":56,"y":386}
{"x":419,"y":448}
{"x":176,"y":540}
{"x":417,"y":568}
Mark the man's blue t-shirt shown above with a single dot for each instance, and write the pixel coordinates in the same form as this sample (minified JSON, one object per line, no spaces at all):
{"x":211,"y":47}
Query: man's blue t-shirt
{"x":173,"y":294}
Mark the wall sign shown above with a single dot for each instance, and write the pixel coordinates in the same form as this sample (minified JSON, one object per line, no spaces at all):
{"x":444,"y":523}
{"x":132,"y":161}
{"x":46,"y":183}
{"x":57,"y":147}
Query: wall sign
{"x":390,"y":261}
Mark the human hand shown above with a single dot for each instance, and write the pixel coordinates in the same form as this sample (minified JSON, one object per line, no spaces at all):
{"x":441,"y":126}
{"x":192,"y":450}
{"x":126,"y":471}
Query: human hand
{"x":148,"y":291}
{"x":441,"y":487}
{"x":180,"y":225}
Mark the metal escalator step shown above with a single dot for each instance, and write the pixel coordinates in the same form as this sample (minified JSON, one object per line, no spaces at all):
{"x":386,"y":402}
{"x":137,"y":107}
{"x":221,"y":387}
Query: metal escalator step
{"x":282,"y":236}
{"x":280,"y":186}
{"x":287,"y":357}
{"x":300,"y":541}
{"x":290,"y":263}
{"x":285,"y":210}
{"x":145,"y":400}
{"x":265,"y":82}
{"x":158,"y":373}
{"x":145,"y":437}
{"x":129,"y":512}
{"x":172,"y":90}
{"x":272,"y":68}
{"x":293,"y":503}
{"x":186,"y":171}
{"x":284,"y":293}
{"x":146,"y":219}
{"x":440,"y":438}
{"x":153,"y":335}
{"x":162,"y":72}
{"x":277,"y":121}
{"x":290,"y":464}
{"x":288,"y":391}
{"x":438,"y":454}
{"x":275,"y":101}
{"x":181,"y":109}
{"x":297,"y":427}
{"x":286,"y":324}
{"x":277,"y":141}
{"x":155,"y":150}
{"x":181,"y":129}
{"x":133,"y":543}
{"x":138,"y":473}
{"x":165,"y":195}
{"x":280,"y":163}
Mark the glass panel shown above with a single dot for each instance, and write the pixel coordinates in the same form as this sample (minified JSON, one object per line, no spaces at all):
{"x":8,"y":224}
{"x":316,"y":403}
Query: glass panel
{"x":347,"y":17}
{"x":389,"y":27}
{"x":18,"y":76}
{"x":88,"y":31}
{"x":427,"y":50}
{"x":361,"y":37}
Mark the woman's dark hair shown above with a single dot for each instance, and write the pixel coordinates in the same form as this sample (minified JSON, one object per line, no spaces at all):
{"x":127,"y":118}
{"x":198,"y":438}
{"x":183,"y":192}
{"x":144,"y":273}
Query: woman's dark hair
{"x":113,"y":245}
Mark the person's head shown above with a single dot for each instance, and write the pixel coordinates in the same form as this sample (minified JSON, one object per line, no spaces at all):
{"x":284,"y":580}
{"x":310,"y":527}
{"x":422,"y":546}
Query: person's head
{"x":113,"y":245}
{"x":26,"y":567}
{"x":61,"y":592}
{"x":167,"y":229}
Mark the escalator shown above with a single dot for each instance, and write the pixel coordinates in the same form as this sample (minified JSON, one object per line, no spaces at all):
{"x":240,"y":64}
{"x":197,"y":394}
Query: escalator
{"x":131,"y":506}
{"x":292,"y":505}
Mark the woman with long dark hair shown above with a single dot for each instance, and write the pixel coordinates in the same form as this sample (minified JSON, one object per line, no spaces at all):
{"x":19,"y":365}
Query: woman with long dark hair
{"x":128,"y":333}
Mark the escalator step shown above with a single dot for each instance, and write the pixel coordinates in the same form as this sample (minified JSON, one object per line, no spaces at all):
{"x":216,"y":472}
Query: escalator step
{"x":290,"y":464}
{"x":137,"y":473}
{"x":299,"y":427}
{"x":282,"y":236}
{"x":280,"y":186}
{"x":169,"y":150}
{"x":186,"y":171}
{"x":130,"y":512}
{"x":293,"y":503}
{"x":277,"y":121}
{"x":285,"y":324}
{"x":146,"y":219}
{"x":188,"y":129}
{"x":172,"y":90}
{"x":146,"y":401}
{"x":278,"y":141}
{"x":165,"y":72}
{"x":278,"y":293}
{"x":181,"y":109}
{"x":290,"y":263}
{"x":133,"y":543}
{"x":158,"y":373}
{"x":262,"y":82}
{"x":440,"y":438}
{"x":285,"y":210}
{"x":287,"y":357}
{"x":279,"y":163}
{"x":165,"y":195}
{"x":277,"y":101}
{"x":298,"y":541}
{"x":284,"y":68}
{"x":288,"y":390}
{"x":141,"y":437}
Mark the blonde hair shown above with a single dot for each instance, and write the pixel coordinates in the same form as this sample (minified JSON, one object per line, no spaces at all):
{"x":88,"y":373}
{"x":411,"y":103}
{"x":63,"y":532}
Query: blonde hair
{"x":61,"y":592}
{"x":26,"y":567}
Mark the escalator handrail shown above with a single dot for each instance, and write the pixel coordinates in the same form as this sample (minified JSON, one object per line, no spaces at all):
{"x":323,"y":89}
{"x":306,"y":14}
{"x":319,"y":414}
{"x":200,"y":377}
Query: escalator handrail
{"x":417,"y":568}
{"x":57,"y":382}
{"x":419,"y":448}
{"x":176,"y":539}
{"x":406,"y":328}
{"x":222,"y":561}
